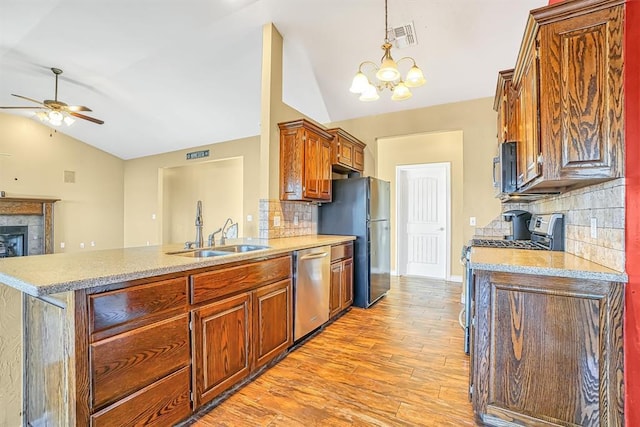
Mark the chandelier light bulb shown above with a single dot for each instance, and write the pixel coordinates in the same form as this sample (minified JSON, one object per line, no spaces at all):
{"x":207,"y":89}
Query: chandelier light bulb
{"x":55,"y":118}
{"x":388,"y":71}
{"x":415,"y":78}
{"x":360,"y":83}
{"x":68,"y":120}
{"x":401,"y":92}
{"x":370,"y":94}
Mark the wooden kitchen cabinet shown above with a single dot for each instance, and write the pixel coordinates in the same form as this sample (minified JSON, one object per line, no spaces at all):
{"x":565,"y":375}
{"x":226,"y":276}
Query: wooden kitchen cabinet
{"x":504,"y":104}
{"x":547,"y":351}
{"x":568,"y":82}
{"x":347,"y":154}
{"x":138,"y":344}
{"x":341,"y":288}
{"x":221,"y":346}
{"x":235,"y":334}
{"x":305,"y":162}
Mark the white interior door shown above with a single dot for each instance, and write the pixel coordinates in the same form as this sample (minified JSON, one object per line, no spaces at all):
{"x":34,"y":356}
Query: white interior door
{"x":424,"y":220}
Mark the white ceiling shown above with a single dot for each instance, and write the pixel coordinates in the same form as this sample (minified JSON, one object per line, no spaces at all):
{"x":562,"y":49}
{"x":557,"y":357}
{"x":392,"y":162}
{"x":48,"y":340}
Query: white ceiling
{"x":166,"y":74}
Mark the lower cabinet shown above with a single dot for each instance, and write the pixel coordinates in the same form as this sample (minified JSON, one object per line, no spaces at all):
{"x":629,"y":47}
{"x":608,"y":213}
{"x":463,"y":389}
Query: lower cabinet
{"x":341,"y":290}
{"x":221,"y":346}
{"x":547,"y":351}
{"x":152,"y":351}
{"x":236,"y":335}
{"x":136,"y":345}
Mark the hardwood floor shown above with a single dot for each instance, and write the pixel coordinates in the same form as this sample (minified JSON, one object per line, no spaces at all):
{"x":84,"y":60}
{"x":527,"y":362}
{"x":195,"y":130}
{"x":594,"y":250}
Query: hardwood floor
{"x":400,"y":363}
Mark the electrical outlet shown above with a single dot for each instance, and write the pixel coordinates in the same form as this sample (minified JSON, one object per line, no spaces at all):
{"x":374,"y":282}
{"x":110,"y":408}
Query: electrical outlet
{"x":61,"y":245}
{"x":295,"y":220}
{"x":93,"y":244}
{"x":153,"y":216}
{"x":276,"y":221}
{"x":594,"y":228}
{"x":249,"y":218}
{"x":81,"y":245}
{"x":472,"y":221}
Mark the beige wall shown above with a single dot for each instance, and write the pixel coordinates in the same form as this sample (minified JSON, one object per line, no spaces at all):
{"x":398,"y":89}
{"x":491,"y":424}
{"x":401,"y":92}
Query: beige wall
{"x":32,"y":163}
{"x":183,"y":186}
{"x":143,"y":189}
{"x":477,"y":121}
{"x":419,"y":149}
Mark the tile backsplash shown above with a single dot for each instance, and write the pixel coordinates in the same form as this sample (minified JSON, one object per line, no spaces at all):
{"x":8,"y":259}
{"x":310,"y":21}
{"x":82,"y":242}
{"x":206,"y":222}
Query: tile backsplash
{"x":287,"y":219}
{"x":605,"y":202}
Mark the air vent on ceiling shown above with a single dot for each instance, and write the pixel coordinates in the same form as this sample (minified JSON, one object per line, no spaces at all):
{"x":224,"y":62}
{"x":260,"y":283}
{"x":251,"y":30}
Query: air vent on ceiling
{"x":403,"y":36}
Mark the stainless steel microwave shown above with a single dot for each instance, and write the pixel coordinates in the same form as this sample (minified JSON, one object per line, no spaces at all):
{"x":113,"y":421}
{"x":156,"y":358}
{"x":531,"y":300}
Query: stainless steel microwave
{"x":505,"y":175}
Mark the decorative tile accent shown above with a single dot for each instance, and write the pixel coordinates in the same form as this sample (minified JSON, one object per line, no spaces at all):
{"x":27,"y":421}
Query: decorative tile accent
{"x":605,"y":202}
{"x":296,"y":219}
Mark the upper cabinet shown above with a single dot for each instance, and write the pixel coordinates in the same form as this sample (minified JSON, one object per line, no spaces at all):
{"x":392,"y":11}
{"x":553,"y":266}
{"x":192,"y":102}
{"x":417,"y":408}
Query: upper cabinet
{"x":504,"y":104}
{"x":305,"y":162}
{"x":567,"y":97}
{"x":347,"y":154}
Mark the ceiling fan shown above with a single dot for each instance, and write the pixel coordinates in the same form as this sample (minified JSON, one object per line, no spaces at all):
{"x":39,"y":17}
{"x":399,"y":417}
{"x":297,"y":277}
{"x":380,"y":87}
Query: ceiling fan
{"x":58,"y":111}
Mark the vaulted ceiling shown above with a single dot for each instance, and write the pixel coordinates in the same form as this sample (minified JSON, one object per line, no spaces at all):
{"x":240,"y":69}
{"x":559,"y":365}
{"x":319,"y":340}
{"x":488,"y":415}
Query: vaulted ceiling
{"x":166,"y":74}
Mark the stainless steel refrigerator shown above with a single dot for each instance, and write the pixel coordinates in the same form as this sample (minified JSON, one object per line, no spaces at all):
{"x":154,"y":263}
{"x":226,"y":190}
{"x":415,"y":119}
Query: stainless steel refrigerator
{"x":360,"y":207}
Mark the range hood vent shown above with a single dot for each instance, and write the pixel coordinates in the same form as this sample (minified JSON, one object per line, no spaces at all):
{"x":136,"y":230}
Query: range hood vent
{"x":403,"y":36}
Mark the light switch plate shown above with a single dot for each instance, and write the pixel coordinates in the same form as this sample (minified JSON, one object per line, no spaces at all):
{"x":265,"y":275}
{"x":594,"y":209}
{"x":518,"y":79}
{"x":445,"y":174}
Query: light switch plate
{"x":472,"y":221}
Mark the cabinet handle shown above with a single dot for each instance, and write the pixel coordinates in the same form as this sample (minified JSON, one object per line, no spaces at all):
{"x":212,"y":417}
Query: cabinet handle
{"x":314,"y":256}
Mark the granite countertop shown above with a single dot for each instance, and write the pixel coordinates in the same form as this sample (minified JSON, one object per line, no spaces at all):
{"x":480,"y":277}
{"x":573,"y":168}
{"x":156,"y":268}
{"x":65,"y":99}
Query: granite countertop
{"x":40,"y":275}
{"x":541,"y":263}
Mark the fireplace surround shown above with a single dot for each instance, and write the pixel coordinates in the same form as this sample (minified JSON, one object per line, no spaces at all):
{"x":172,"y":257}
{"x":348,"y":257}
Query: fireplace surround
{"x":20,"y":212}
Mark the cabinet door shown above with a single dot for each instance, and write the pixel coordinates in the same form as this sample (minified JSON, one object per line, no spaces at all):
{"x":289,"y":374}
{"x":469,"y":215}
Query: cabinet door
{"x":336,"y":288}
{"x":272,"y":317}
{"x":317,"y":167}
{"x":346,"y":292}
{"x":291,"y":163}
{"x":358,"y":158}
{"x":345,"y":152}
{"x":581,"y":70}
{"x":529,"y":142}
{"x":547,"y":351}
{"x":221,"y":346}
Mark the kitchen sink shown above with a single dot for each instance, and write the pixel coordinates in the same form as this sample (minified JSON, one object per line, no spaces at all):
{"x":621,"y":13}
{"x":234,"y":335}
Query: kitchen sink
{"x":218,"y":251}
{"x":241,"y":248}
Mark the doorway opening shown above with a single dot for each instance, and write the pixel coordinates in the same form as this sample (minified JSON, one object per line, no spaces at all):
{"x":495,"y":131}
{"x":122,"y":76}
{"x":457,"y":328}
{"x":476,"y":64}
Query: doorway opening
{"x":423,"y":226}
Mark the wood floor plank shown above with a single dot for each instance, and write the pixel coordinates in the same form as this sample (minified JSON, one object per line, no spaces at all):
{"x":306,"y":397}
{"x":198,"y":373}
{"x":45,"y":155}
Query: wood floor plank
{"x":399,"y":363}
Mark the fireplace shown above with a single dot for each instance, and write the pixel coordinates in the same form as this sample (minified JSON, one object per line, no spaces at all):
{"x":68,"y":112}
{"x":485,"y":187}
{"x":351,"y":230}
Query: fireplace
{"x":26,"y":226}
{"x":14,"y":241}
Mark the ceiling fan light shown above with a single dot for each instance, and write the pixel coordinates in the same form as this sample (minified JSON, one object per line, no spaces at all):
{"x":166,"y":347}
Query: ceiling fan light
{"x":401,"y":92}
{"x":55,"y":118}
{"x":415,"y":78}
{"x":68,"y":120}
{"x":360,"y":83}
{"x":370,"y":94}
{"x":42,"y":116}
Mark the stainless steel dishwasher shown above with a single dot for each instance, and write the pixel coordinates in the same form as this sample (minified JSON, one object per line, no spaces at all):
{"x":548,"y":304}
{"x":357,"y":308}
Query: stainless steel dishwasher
{"x":312,"y":277}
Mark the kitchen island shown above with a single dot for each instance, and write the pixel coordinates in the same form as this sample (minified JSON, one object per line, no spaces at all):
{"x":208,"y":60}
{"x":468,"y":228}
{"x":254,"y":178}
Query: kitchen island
{"x":546,"y":339}
{"x":139,"y":336}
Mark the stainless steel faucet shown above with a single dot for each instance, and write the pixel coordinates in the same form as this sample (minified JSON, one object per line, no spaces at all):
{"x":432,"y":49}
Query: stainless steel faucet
{"x":212,"y":237}
{"x":199,"y":241}
{"x":224,"y":235}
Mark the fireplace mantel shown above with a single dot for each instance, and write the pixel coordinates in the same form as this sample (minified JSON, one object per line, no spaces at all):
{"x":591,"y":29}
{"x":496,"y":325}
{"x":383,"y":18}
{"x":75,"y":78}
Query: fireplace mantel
{"x":32,"y":206}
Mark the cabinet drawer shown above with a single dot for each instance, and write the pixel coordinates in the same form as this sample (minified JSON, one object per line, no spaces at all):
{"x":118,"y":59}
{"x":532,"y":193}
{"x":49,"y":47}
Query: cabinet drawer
{"x":129,"y":308}
{"x":165,"y":403}
{"x":216,"y":284}
{"x":128,"y":362}
{"x":341,"y":251}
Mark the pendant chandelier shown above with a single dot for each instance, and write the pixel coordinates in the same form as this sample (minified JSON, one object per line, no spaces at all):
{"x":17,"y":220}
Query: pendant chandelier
{"x":387,"y":75}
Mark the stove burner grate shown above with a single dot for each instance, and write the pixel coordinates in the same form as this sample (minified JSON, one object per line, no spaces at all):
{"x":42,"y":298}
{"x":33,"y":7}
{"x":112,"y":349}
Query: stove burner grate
{"x":515,"y":244}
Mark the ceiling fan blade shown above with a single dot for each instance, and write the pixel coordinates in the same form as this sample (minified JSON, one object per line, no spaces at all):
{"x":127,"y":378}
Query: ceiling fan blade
{"x":20,"y":108}
{"x":77,"y":108}
{"x":82,"y":116}
{"x":28,"y":99}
